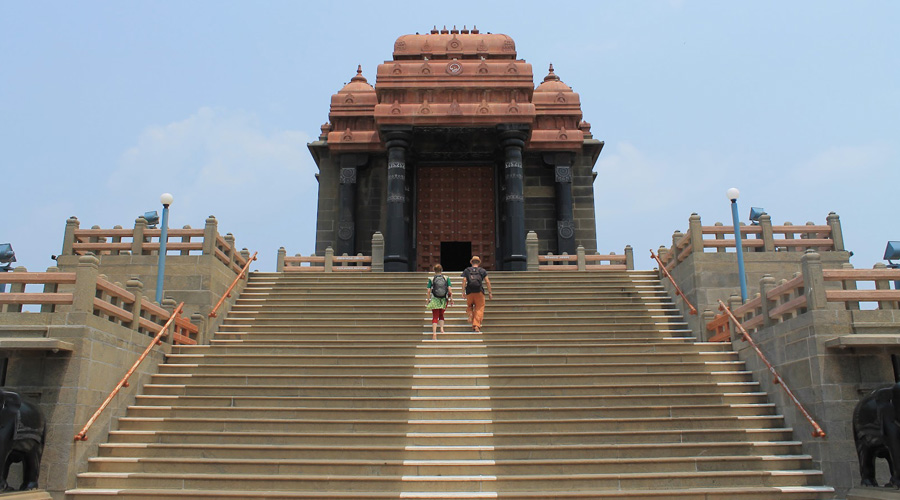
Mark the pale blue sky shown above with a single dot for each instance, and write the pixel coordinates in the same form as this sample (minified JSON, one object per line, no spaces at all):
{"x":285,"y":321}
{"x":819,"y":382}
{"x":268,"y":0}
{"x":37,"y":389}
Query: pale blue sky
{"x":105,"y":105}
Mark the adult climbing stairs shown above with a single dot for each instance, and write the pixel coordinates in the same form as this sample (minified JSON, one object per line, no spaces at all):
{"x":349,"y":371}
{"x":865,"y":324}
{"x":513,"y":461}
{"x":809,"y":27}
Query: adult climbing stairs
{"x":329,"y":385}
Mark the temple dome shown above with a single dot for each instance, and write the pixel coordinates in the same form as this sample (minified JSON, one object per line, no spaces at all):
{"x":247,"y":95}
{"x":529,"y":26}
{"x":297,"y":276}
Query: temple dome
{"x":552,"y":83}
{"x":357,"y":84}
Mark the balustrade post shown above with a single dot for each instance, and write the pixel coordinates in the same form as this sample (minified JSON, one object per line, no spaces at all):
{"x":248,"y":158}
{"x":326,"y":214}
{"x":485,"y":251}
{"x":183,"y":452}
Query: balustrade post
{"x":279,"y":261}
{"x":836,"y":234}
{"x":245,"y":254}
{"x":169,"y":305}
{"x":329,"y":259}
{"x":884,"y":285}
{"x":850,"y":284}
{"x":814,"y":280}
{"x":137,"y":238}
{"x":734,"y":302}
{"x":116,"y":239}
{"x":377,"y":252}
{"x":720,"y":236}
{"x":768,"y":236}
{"x":136,"y":287}
{"x":86,"y":274}
{"x":186,"y":239}
{"x":579,"y":256}
{"x":705,"y":317}
{"x":807,"y":236}
{"x":72,"y":225}
{"x":663,"y":254}
{"x":210,"y":231}
{"x":16,"y":288}
{"x":199,"y":320}
{"x":766,"y":283}
{"x":790,"y":236}
{"x":695,"y":229}
{"x":531,"y":251}
{"x":50,"y":288}
{"x":229,"y":248}
{"x":629,"y":258}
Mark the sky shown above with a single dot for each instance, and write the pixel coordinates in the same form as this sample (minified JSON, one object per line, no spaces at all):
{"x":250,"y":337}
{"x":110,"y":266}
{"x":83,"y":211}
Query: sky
{"x":105,"y":105}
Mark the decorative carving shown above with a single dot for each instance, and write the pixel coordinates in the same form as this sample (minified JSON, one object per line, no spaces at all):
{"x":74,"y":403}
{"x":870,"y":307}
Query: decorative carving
{"x":396,"y":198}
{"x":348,"y":135}
{"x":482,"y":46}
{"x":348,"y":175}
{"x":483,"y":68}
{"x":454,"y":108}
{"x":560,"y":98}
{"x":348,"y":99}
{"x":396,"y":164}
{"x":426,"y":68}
{"x":400,"y":46}
{"x":562,"y":134}
{"x":346,"y":230}
{"x":509,"y":45}
{"x":514,"y":197}
{"x":565,"y":229}
{"x":484,"y":109}
{"x":425,"y":109}
{"x":563,"y":174}
{"x":454,"y":68}
{"x":454,"y":44}
{"x":395,"y":108}
{"x":398,"y":69}
{"x":512,"y":164}
{"x":511,"y":69}
{"x":426,"y":47}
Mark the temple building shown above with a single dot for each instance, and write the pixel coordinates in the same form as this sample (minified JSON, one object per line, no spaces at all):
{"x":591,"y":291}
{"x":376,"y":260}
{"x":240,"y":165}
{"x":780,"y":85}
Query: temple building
{"x":455,"y":152}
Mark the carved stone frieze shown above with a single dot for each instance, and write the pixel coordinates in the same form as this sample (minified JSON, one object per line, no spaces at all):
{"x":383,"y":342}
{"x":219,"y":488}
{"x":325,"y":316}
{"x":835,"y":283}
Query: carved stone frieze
{"x":563,"y":174}
{"x":346,"y":230}
{"x":565,"y":229}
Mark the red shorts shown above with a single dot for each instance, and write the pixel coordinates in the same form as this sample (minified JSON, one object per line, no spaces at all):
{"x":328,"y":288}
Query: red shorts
{"x":437,"y":315}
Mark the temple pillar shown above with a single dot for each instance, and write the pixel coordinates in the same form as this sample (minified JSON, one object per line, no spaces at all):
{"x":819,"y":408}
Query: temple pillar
{"x":565,"y":220}
{"x":346,"y":231}
{"x":512,"y":139}
{"x":396,"y":235}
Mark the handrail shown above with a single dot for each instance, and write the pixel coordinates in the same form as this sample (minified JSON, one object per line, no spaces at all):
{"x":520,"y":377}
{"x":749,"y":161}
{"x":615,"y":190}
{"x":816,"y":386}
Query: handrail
{"x":817,"y":431}
{"x":212,"y":314}
{"x":82,"y":436}
{"x":678,"y":292}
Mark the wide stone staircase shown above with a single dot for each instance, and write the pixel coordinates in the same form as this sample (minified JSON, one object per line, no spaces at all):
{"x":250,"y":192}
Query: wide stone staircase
{"x":582,"y":385}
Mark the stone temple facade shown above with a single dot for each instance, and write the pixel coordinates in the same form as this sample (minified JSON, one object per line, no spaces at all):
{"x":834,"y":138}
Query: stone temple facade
{"x":455,"y":152}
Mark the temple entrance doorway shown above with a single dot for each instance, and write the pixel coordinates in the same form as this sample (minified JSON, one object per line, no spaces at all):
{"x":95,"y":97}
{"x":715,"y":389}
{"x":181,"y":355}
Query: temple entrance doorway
{"x":454,"y":216}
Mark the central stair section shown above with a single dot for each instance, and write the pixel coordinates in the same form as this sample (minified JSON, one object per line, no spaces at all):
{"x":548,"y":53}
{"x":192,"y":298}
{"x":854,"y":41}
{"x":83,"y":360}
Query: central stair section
{"x":329,"y":385}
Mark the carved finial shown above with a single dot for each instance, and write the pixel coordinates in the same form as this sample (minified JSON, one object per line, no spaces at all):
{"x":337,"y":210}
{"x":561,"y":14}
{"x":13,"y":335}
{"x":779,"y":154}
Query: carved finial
{"x":551,"y":76}
{"x":359,"y":69}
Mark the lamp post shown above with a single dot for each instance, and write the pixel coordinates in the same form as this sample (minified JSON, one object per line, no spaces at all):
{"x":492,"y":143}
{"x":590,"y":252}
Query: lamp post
{"x":166,"y":200}
{"x":732,"y":195}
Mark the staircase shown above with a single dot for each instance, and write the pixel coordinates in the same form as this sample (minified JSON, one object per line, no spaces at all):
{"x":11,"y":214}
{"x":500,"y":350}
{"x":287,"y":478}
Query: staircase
{"x":582,"y":385}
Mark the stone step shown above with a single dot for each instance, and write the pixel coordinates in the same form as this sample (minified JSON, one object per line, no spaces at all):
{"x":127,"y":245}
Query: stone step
{"x":349,"y":424}
{"x":528,"y":483}
{"x":369,"y":379}
{"x":421,"y":366}
{"x":399,"y":465}
{"x":449,"y":390}
{"x":704,"y":493}
{"x":496,"y":438}
{"x":451,"y":412}
{"x":549,"y":345}
{"x":597,"y":451}
{"x":495,"y":359}
{"x":496,"y":401}
{"x":454,"y":333}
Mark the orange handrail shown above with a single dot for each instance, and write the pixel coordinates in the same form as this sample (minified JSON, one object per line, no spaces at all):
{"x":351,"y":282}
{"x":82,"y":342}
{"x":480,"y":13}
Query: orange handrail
{"x":82,"y":436}
{"x":212,"y":314}
{"x":817,"y":431}
{"x":662,"y":267}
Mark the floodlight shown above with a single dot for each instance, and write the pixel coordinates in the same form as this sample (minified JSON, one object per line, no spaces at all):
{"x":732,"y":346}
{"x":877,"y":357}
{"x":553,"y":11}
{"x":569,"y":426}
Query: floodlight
{"x":7,"y":256}
{"x":892,"y":251}
{"x":152,"y":218}
{"x":755,"y":213}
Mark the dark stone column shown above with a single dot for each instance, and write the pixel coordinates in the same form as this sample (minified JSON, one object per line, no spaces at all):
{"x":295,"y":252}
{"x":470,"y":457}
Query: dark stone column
{"x":396,"y":236}
{"x":346,"y":231}
{"x":565,"y":220}
{"x":512,"y":139}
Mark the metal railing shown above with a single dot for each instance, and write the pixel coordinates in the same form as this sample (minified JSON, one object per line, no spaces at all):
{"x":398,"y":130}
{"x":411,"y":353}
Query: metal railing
{"x":82,"y":435}
{"x":227,"y":294}
{"x":678,"y":292}
{"x":817,"y":431}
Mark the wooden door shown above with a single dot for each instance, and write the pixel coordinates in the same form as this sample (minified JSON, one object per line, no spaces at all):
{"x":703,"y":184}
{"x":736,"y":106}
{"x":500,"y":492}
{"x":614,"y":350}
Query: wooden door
{"x":454,"y":204}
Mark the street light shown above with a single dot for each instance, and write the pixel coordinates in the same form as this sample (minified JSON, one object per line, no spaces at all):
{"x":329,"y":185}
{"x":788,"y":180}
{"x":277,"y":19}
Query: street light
{"x":732,"y":195}
{"x":7,"y":256}
{"x":166,"y":199}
